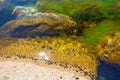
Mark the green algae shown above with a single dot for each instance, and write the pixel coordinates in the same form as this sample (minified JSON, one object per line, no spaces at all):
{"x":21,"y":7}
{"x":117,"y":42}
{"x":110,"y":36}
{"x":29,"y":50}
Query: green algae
{"x":73,"y":8}
{"x":94,"y":20}
{"x":100,"y":30}
{"x":84,"y":12}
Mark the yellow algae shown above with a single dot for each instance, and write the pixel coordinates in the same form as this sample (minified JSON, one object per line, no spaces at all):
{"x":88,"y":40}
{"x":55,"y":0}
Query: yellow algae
{"x":60,"y":51}
{"x":65,"y":21}
{"x":109,"y":48}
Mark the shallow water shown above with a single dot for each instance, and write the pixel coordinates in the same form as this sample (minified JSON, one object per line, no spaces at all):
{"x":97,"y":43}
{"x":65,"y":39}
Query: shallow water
{"x":23,"y":2}
{"x":7,"y":8}
{"x":5,"y":15}
{"x":105,"y":71}
{"x":108,"y":72}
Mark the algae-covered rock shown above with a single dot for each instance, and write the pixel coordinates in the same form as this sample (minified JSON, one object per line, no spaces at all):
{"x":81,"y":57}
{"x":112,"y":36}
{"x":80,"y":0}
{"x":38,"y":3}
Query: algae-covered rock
{"x":37,"y":24}
{"x":109,"y":48}
{"x":62,"y":51}
{"x":21,"y":11}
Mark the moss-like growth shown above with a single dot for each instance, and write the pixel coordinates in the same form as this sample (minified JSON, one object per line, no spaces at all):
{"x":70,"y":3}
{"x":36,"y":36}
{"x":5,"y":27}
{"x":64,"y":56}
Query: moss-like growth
{"x":88,"y":10}
{"x":60,"y":50}
{"x":109,"y":47}
{"x":87,"y":13}
{"x":93,"y":35}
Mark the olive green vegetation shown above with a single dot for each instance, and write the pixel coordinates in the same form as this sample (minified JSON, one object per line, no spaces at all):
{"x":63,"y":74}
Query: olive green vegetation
{"x":93,"y":17}
{"x":83,"y":10}
{"x":93,"y":35}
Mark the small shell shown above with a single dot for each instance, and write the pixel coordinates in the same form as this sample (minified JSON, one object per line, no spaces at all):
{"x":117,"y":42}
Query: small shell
{"x":42,"y":54}
{"x":46,"y":58}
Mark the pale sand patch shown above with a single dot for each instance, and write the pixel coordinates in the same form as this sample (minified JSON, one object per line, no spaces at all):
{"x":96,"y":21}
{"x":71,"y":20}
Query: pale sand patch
{"x":18,"y":70}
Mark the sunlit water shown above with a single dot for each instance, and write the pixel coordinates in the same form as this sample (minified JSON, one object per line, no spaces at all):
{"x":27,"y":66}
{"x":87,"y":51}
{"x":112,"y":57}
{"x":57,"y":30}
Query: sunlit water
{"x":105,"y":71}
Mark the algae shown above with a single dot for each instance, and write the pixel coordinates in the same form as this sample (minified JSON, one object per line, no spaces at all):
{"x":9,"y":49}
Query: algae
{"x":60,"y":51}
{"x":93,"y":34}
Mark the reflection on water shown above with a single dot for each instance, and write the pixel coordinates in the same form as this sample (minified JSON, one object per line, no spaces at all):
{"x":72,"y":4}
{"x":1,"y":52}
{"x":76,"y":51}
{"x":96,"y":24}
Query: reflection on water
{"x":108,"y":72}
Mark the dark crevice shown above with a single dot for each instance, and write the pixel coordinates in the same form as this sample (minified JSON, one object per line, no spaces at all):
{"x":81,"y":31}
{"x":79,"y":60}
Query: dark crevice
{"x":27,"y":31}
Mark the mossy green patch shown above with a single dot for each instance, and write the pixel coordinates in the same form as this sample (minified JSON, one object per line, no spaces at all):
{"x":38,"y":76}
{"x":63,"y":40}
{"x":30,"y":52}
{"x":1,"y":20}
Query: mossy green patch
{"x":73,"y":8}
{"x":96,"y":33}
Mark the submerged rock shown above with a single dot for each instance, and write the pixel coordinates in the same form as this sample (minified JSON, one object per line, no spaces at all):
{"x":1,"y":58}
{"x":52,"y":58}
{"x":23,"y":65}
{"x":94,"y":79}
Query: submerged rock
{"x":37,"y":24}
{"x":21,"y":11}
{"x":109,"y":48}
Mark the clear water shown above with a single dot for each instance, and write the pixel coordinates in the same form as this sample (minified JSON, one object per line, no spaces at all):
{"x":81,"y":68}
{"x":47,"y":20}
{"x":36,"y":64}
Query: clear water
{"x":7,"y":8}
{"x":105,"y":71}
{"x":108,"y":71}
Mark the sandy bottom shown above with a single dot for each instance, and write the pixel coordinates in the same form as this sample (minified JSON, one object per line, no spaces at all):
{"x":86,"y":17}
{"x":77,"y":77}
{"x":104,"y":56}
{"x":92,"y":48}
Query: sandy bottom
{"x":18,"y":70}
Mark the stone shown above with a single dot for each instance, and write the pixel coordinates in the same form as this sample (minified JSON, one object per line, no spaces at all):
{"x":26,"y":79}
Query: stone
{"x":21,"y":11}
{"x":109,"y":48}
{"x":37,"y":24}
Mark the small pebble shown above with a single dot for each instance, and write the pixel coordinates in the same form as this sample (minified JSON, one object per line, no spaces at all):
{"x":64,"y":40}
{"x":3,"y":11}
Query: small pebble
{"x":60,"y":77}
{"x":76,"y":78}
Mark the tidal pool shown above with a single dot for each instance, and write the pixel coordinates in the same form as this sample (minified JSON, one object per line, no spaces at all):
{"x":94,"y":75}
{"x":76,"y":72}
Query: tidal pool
{"x":105,"y":71}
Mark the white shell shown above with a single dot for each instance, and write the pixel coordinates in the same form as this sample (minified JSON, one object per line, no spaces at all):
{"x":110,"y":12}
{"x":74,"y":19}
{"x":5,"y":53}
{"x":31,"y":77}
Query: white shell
{"x":42,"y":54}
{"x":46,"y":58}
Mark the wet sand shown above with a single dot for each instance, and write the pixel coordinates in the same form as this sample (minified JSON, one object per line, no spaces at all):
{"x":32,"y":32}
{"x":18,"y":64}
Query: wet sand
{"x":15,"y":68}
